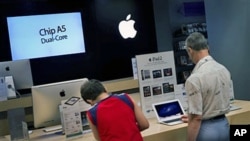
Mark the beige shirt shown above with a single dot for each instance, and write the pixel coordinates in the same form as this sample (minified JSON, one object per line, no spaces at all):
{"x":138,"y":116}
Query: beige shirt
{"x":208,"y":89}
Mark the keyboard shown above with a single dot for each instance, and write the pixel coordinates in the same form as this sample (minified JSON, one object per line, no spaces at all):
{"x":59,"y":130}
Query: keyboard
{"x":234,"y":107}
{"x":56,"y":128}
{"x":173,"y":122}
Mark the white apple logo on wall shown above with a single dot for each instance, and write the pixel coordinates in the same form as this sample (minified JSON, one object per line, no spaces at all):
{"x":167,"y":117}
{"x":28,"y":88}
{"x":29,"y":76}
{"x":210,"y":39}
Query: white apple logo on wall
{"x":126,"y":28}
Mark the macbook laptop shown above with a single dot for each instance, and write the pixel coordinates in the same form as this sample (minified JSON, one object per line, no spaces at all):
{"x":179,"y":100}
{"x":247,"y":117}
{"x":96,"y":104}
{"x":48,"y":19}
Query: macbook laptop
{"x":232,"y":98}
{"x":169,"y":112}
{"x":234,"y":107}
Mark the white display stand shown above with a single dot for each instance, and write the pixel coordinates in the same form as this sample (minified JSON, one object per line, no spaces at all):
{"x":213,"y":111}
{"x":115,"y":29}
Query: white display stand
{"x":73,"y":117}
{"x":3,"y":90}
{"x":17,"y":126}
{"x":231,"y":92}
{"x":10,"y":87}
{"x":157,"y":77}
{"x":134,"y":67}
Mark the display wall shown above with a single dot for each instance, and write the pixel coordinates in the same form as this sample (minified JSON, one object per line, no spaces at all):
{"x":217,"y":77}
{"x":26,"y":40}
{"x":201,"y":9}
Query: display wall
{"x":107,"y":54}
{"x":228,"y":36}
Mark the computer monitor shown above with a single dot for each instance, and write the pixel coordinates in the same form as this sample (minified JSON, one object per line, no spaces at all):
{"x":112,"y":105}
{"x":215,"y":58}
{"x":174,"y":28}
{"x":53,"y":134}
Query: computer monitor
{"x":20,"y":71}
{"x":47,"y":98}
{"x":45,"y":35}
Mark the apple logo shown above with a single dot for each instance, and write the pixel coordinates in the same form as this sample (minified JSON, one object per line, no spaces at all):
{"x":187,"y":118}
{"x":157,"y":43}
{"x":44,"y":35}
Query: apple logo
{"x":62,"y":93}
{"x":126,"y":28}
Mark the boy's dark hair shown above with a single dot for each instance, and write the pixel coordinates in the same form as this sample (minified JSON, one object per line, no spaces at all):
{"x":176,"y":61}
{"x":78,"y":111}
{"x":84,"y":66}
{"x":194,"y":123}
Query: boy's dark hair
{"x":91,"y":89}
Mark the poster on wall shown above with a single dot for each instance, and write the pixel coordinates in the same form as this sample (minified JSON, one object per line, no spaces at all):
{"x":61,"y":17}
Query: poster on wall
{"x":156,"y":75}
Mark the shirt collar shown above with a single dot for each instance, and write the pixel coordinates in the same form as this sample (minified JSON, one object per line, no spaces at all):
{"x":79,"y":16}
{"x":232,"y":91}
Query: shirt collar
{"x":202,"y":61}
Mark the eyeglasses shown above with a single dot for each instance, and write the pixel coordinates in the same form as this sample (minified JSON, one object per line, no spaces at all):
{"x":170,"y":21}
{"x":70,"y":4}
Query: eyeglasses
{"x":186,"y":48}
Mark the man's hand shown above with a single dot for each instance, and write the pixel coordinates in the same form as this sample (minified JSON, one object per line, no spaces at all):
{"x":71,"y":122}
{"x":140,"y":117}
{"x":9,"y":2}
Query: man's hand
{"x":184,"y":118}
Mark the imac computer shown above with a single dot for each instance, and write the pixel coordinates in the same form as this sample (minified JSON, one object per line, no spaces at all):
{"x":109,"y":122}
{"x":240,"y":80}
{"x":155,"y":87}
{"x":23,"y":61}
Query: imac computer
{"x":21,"y":73}
{"x":47,"y":98}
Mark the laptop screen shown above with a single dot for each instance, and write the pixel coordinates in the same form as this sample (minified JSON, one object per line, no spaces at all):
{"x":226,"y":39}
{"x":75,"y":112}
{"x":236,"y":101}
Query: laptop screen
{"x":168,"y":110}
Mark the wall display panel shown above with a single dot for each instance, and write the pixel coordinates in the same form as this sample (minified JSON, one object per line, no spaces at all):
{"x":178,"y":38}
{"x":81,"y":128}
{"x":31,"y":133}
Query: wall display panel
{"x":108,"y":47}
{"x":46,"y":35}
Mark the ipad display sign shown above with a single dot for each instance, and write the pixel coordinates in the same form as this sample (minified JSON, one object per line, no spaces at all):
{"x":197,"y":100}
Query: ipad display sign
{"x":37,"y":36}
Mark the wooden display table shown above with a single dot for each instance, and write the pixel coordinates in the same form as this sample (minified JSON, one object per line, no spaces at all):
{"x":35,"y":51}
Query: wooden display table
{"x":156,"y":131}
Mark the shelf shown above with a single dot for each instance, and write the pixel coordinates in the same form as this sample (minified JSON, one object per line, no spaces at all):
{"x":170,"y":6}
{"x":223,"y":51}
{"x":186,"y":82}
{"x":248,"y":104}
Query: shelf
{"x":111,"y":86}
{"x":22,"y":102}
{"x":121,"y":85}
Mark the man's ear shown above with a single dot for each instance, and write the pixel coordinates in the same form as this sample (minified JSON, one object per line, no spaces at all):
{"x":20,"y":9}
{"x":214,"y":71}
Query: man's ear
{"x":90,"y":101}
{"x":190,"y":50}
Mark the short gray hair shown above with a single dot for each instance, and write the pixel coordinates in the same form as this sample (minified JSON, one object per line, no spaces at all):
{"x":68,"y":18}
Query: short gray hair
{"x":197,"y":41}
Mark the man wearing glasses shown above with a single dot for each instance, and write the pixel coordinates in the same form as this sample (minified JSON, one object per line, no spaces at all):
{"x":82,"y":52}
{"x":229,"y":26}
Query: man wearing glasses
{"x":208,"y":90}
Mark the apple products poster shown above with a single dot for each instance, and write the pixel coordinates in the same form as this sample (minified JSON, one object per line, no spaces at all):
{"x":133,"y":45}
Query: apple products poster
{"x":46,"y":35}
{"x":71,"y":118}
{"x":156,"y":75}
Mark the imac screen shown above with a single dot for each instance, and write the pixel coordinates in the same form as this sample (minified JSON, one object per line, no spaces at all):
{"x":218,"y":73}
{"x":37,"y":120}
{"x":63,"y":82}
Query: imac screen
{"x":46,"y":35}
{"x":47,"y":98}
{"x":20,"y":71}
